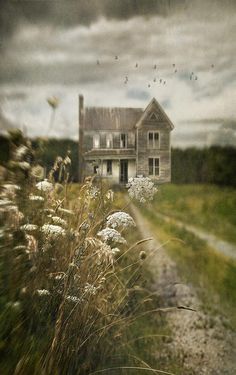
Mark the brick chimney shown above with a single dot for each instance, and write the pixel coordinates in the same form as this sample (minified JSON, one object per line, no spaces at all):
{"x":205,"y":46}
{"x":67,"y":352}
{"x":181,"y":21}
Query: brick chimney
{"x":81,"y":136}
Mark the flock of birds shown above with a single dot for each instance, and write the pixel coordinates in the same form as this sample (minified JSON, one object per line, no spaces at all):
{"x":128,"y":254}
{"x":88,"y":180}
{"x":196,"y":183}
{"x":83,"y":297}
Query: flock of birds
{"x":192,"y":77}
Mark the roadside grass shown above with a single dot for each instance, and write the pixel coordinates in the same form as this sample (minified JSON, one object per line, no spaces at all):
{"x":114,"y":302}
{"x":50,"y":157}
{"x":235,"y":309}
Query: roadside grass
{"x":213,"y":274}
{"x":210,"y":207}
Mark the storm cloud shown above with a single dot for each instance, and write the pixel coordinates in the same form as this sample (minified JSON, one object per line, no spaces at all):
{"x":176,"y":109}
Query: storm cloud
{"x":52,"y":48}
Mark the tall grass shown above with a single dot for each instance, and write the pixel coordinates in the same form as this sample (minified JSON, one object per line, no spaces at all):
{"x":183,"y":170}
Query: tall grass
{"x":68,"y":292}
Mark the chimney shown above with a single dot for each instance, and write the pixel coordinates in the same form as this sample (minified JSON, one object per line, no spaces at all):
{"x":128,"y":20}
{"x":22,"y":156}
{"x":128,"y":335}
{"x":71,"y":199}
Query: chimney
{"x":81,"y":136}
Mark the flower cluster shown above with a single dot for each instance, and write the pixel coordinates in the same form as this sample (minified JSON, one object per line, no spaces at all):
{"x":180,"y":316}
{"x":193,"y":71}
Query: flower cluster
{"x":120,"y":220}
{"x":111,"y":235}
{"x":45,"y":186}
{"x":141,"y":189}
{"x":53,"y":230}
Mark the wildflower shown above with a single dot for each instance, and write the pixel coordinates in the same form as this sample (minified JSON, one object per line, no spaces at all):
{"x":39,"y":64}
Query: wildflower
{"x":29,"y":227}
{"x":5,"y":202}
{"x":43,"y":292}
{"x":93,"y":192}
{"x":32,"y":244}
{"x":120,"y":220}
{"x":67,"y":160}
{"x":90,"y":289}
{"x":58,"y":220}
{"x":37,"y":171}
{"x":111,"y":235}
{"x":53,"y":230}
{"x":20,"y":152}
{"x":11,"y":188}
{"x":36,"y":198}
{"x":45,"y":186}
{"x":73,"y":299}
{"x":141,"y":189}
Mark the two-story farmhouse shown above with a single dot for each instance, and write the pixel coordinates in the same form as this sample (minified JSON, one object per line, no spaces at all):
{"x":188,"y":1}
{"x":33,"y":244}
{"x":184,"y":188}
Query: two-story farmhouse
{"x":119,"y":143}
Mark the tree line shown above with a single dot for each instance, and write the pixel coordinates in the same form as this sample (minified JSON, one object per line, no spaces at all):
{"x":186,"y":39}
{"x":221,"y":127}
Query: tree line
{"x":212,"y":165}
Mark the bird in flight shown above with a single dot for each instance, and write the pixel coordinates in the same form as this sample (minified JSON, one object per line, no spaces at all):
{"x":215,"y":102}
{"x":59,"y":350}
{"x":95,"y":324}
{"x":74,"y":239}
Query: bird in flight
{"x":149,"y":85}
{"x":116,"y":57}
{"x":155,"y":66}
{"x":98,"y":62}
{"x":154,"y":80}
{"x":173,"y":65}
{"x":164,"y":82}
{"x":160,"y":80}
{"x":136,"y":65}
{"x":176,"y":70}
{"x":212,"y":65}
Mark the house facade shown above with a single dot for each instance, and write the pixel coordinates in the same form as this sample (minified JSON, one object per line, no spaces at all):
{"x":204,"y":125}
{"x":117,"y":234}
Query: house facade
{"x":119,"y":143}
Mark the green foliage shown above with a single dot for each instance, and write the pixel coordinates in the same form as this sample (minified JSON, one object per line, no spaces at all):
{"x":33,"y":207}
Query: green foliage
{"x":214,"y":165}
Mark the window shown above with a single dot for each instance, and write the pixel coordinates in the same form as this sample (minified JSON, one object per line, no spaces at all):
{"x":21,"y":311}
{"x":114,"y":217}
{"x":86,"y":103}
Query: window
{"x":95,"y":169}
{"x":96,"y":141}
{"x":123,"y":140}
{"x":154,"y":166}
{"x":109,"y":141}
{"x":153,"y":140}
{"x":109,"y":167}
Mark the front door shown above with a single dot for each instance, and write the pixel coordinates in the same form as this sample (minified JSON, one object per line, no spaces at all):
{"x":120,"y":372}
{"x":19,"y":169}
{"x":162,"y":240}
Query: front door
{"x":123,"y":171}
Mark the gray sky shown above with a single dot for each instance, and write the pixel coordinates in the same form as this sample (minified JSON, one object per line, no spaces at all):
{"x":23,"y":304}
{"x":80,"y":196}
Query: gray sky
{"x":51,"y":48}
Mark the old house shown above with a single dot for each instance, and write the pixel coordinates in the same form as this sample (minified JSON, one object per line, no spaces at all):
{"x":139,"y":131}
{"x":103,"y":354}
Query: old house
{"x":119,"y":143}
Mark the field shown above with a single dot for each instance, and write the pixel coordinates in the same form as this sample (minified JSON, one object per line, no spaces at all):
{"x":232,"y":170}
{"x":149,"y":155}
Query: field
{"x":206,"y":206}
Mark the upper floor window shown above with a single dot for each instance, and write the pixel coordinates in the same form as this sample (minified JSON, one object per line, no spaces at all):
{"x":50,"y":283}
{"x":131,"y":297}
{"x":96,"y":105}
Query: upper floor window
{"x":154,"y":166}
{"x":96,"y":141}
{"x":153,"y":139}
{"x":109,"y":141}
{"x":123,"y":140}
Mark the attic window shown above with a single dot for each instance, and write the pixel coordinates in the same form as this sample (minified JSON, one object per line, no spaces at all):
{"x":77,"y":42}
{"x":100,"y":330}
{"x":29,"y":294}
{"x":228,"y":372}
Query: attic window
{"x":153,"y":139}
{"x":153,"y":116}
{"x":109,"y":140}
{"x":96,"y":141}
{"x":123,"y":140}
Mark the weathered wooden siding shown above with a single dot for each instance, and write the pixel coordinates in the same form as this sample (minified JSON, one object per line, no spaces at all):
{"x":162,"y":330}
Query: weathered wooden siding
{"x":162,"y":152}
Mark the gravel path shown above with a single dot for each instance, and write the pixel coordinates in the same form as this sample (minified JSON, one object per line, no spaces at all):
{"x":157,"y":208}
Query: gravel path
{"x":202,"y":342}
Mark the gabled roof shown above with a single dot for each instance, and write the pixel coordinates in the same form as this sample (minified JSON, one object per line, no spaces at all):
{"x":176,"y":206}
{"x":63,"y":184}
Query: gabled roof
{"x":102,"y":118}
{"x":151,"y":108}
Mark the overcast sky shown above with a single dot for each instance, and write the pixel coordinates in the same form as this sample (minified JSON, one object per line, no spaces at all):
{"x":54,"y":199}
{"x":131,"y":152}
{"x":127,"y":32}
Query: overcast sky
{"x":51,"y":48}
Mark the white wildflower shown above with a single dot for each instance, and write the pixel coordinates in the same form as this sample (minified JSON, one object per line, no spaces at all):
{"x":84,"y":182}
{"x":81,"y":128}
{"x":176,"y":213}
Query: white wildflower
{"x":29,"y":227}
{"x":58,"y":220}
{"x":120,"y":220}
{"x":67,"y":160}
{"x":53,"y":230}
{"x":5,"y":202}
{"x":111,"y":235}
{"x":11,"y":188}
{"x":73,"y":299}
{"x":90,"y":289}
{"x":44,"y":185}
{"x":36,"y":198}
{"x":37,"y":171}
{"x":43,"y":292}
{"x":20,"y":152}
{"x":141,"y":189}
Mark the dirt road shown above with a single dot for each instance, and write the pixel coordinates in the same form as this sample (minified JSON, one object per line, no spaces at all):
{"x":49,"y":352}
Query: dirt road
{"x":202,"y":342}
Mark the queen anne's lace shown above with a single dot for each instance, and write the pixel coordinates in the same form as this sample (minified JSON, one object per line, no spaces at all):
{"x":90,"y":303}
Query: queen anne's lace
{"x":141,"y":189}
{"x":53,"y":230}
{"x":36,"y":198}
{"x":29,"y":227}
{"x":45,"y":186}
{"x":120,"y":220}
{"x":111,"y":235}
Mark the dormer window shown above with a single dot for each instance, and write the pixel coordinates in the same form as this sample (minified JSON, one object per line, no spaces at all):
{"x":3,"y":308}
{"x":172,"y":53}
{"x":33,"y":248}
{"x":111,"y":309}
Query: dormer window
{"x":96,"y":141}
{"x":153,"y":139}
{"x":123,"y":140}
{"x":109,"y":140}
